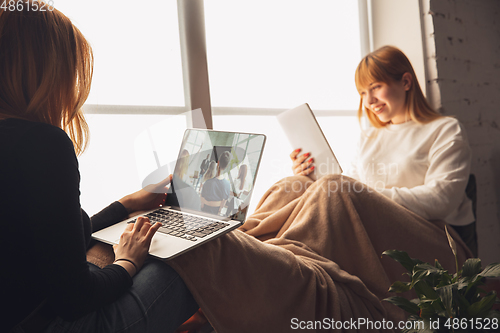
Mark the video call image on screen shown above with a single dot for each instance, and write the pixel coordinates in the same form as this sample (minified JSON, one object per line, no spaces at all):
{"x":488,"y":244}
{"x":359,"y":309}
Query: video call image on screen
{"x":215,"y":172}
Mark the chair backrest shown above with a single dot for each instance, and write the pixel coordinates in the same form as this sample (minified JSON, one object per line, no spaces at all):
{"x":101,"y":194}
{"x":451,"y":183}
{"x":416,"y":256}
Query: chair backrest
{"x":471,"y":192}
{"x":468,"y":232}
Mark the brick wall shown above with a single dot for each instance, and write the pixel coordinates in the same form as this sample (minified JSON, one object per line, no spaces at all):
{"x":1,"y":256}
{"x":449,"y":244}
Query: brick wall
{"x":462,"y":47}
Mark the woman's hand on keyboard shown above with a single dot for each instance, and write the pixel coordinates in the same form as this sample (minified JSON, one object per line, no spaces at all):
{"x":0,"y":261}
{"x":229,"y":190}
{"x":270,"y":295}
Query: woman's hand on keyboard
{"x":150,"y":197}
{"x":134,"y":244}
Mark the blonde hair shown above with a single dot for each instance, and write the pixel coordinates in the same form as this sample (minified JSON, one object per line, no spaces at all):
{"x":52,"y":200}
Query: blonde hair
{"x":46,"y":65}
{"x":210,"y":171}
{"x":388,"y":64}
{"x":242,"y":174}
{"x":181,"y":167}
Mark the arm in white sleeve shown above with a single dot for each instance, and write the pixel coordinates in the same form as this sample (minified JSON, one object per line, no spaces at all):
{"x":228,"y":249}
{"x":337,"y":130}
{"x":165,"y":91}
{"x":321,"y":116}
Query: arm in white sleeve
{"x":445,"y":182}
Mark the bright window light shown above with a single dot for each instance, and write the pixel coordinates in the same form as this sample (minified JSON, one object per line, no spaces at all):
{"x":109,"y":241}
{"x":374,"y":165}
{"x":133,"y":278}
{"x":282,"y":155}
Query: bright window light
{"x":136,"y":49}
{"x":283,"y":53}
{"x":136,"y":62}
{"x":280,"y":54}
{"x":122,"y":154}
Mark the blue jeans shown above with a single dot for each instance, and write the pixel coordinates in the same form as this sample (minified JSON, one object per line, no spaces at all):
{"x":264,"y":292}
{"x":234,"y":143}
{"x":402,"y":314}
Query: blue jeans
{"x":158,"y":301}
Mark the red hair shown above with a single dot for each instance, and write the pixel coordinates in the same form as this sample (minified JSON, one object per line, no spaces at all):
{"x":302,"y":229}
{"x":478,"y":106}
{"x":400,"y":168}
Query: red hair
{"x":46,"y":67}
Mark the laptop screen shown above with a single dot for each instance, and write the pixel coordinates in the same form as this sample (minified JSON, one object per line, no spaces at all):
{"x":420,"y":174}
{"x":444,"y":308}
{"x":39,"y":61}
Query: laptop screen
{"x":215,"y":172}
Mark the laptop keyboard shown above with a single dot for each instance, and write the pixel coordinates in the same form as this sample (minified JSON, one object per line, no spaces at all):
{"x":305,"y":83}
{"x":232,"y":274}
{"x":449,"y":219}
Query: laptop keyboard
{"x":183,"y":225}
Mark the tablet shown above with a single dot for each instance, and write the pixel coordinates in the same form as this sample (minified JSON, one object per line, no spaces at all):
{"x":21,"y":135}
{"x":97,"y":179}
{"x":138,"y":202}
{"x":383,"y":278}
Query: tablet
{"x":303,"y":131}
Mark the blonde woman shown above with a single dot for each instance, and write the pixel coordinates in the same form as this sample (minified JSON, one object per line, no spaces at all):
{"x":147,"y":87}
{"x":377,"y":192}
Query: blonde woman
{"x":216,"y":190}
{"x":238,"y":193}
{"x":212,"y":168}
{"x":411,"y":154}
{"x":46,"y":71}
{"x":182,"y":165}
{"x":239,"y":182}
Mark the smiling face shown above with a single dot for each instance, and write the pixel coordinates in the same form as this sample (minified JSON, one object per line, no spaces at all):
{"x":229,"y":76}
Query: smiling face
{"x":387,"y":100}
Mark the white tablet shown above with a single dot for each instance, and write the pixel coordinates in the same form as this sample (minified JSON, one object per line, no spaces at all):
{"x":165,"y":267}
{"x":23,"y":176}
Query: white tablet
{"x":303,"y":131}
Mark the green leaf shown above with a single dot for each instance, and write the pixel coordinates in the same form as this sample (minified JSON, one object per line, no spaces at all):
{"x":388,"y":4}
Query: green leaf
{"x":427,"y":310}
{"x":439,"y":308}
{"x":426,"y":272}
{"x":463,"y":304}
{"x":471,"y":290}
{"x":491,"y":271}
{"x":424,"y":291}
{"x":400,"y":287}
{"x":452,"y":243}
{"x":432,"y":275}
{"x":446,"y":295}
{"x":425,"y":267}
{"x":431,"y":308}
{"x":417,"y":277}
{"x":429,"y":268}
{"x":482,"y":307}
{"x":444,"y":280}
{"x":404,"y":304}
{"x":403,"y":258}
{"x":471,"y":267}
{"x":437,"y":264}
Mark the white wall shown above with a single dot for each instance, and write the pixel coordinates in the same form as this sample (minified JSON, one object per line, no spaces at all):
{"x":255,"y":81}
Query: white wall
{"x":466,"y":37}
{"x":397,"y":23}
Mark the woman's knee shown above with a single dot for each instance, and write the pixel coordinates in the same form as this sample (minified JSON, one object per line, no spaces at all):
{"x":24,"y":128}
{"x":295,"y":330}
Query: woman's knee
{"x":293,"y":184}
{"x":158,"y":280}
{"x":155,"y":269}
{"x":338,"y":184}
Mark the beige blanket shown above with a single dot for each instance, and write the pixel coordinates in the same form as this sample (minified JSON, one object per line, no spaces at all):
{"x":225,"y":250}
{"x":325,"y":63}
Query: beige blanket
{"x":311,"y":252}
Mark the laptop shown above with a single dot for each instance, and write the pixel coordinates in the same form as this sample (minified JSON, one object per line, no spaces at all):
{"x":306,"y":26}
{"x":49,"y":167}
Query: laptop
{"x":303,"y":131}
{"x":201,"y":207}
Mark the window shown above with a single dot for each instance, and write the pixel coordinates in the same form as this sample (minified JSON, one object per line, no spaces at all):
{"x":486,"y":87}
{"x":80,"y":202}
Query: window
{"x":282,"y":53}
{"x":137,"y":76}
{"x":137,"y":59}
{"x":123,"y":151}
{"x":268,"y":56}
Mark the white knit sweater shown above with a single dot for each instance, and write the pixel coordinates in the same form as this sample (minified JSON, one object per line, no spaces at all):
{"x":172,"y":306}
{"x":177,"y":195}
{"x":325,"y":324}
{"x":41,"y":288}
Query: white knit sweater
{"x":424,"y":168}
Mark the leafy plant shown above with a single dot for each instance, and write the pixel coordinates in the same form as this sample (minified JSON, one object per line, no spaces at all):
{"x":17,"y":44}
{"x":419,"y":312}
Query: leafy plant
{"x":447,"y":303}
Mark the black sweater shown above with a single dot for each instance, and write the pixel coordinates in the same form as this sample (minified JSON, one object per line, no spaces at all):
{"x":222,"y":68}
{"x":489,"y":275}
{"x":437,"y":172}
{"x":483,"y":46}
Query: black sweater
{"x":44,"y":232}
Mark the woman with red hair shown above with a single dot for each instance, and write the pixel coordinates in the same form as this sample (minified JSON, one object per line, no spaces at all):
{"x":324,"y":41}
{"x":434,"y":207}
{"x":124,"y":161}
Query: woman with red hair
{"x":45,"y":75}
{"x":313,"y":249}
{"x":411,"y":153}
